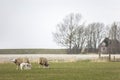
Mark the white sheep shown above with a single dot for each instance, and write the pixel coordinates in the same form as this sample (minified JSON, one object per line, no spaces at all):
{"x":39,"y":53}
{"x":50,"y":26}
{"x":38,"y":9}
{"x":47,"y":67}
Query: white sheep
{"x":43,"y":61}
{"x":18,"y":61}
{"x":25,"y":66}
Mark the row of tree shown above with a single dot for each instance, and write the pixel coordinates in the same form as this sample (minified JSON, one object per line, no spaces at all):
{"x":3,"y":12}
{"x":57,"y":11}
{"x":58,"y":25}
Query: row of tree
{"x":78,"y":37}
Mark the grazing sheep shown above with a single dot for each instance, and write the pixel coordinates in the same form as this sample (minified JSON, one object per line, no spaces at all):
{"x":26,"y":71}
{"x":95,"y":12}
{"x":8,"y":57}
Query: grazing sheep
{"x":18,"y":61}
{"x":43,"y":61}
{"x":25,"y":66}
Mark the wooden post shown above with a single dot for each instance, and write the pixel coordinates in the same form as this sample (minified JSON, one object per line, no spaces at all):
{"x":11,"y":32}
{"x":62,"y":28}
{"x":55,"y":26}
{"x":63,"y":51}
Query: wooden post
{"x":109,"y":57}
{"x":114,"y":58}
{"x":99,"y":54}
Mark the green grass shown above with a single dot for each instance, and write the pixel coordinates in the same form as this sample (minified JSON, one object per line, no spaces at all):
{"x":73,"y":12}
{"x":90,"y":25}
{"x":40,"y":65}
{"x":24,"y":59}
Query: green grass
{"x":63,"y":71}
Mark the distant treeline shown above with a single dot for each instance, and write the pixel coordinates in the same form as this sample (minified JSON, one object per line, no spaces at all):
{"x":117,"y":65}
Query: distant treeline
{"x":32,"y":51}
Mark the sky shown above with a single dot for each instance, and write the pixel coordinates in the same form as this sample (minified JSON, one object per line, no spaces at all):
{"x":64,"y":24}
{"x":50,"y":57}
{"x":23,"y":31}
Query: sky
{"x":30,"y":23}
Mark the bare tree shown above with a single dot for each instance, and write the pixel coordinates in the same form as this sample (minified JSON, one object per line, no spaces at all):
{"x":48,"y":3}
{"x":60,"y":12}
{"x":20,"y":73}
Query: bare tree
{"x":80,"y":39}
{"x":94,"y":35}
{"x":114,"y":32}
{"x":66,"y":31}
{"x":118,"y":31}
{"x":114,"y":35}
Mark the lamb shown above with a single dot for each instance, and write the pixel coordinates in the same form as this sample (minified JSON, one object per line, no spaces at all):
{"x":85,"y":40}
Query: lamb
{"x":18,"y":61}
{"x":43,"y":61}
{"x":25,"y":66}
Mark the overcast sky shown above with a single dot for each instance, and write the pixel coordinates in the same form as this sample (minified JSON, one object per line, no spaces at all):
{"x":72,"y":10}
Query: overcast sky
{"x":30,"y":23}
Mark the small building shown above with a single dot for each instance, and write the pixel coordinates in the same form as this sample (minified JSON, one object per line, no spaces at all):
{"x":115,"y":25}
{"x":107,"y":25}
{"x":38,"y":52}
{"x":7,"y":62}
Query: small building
{"x":109,"y":46}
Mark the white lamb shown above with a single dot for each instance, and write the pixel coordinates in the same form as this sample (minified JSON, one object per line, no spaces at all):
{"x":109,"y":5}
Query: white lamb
{"x":25,"y":66}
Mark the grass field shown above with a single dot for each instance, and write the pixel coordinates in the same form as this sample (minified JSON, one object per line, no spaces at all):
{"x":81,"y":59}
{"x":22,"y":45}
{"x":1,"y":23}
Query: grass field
{"x":63,"y":71}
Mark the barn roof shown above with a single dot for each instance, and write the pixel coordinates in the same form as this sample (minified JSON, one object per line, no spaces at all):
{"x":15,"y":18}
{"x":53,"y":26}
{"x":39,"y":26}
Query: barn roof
{"x":113,"y":46}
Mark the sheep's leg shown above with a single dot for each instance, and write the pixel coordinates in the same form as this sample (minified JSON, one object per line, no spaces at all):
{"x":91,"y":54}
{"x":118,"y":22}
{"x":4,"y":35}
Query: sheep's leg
{"x":39,"y":66}
{"x":21,"y":67}
{"x":43,"y":66}
{"x":17,"y":67}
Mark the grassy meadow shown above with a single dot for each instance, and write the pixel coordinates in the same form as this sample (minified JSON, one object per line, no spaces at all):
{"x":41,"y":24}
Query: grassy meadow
{"x":84,"y":70}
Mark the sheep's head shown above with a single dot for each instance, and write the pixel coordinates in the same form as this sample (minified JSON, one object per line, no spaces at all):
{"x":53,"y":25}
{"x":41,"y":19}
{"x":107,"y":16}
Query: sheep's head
{"x":14,"y":60}
{"x":29,"y":66}
{"x":46,"y":65}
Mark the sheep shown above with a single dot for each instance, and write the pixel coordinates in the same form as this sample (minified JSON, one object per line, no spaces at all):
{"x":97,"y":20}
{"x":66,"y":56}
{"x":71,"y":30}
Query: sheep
{"x":25,"y":66}
{"x":18,"y":61}
{"x":44,"y":62}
